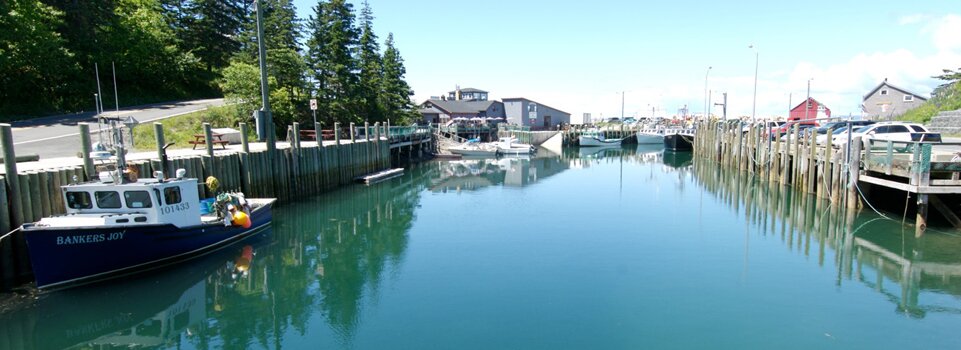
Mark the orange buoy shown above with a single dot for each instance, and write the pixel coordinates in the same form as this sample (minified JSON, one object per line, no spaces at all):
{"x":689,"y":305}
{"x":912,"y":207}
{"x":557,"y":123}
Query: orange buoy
{"x":241,"y":219}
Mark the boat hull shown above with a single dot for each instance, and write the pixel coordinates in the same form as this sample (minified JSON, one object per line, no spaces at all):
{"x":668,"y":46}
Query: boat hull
{"x":68,"y":256}
{"x":591,"y":141}
{"x":649,"y":138}
{"x":678,"y":142}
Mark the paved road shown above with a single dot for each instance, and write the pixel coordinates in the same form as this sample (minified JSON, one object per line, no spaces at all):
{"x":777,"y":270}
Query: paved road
{"x":59,"y":136}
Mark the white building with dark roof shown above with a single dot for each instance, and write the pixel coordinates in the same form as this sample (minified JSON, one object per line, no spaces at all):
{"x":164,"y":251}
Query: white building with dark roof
{"x":473,"y":103}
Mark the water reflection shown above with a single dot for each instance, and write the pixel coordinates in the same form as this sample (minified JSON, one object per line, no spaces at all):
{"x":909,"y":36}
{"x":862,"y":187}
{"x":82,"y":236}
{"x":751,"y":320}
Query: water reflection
{"x":159,"y":309}
{"x":918,"y":275}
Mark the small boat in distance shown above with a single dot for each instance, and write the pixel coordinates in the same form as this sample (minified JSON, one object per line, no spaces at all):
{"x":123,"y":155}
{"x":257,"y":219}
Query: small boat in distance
{"x":596,"y":138}
{"x":121,"y":224}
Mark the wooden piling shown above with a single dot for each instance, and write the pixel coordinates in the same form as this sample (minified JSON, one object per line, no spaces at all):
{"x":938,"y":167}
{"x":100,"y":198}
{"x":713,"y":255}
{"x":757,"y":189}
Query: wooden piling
{"x":208,"y":140}
{"x":158,"y":131}
{"x":86,"y":148}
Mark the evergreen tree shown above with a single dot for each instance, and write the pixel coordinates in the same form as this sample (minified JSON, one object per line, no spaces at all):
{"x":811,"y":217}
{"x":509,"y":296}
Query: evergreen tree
{"x":33,"y":59}
{"x":285,"y":66}
{"x":395,"y":92}
{"x":330,"y":58}
{"x":213,"y":29}
{"x":370,"y":74}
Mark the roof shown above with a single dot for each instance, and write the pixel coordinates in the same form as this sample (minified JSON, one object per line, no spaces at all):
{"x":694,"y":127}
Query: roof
{"x":885,"y":82}
{"x":471,"y":90}
{"x":460,"y":107}
{"x":812,"y":99}
{"x":529,"y":100}
{"x":431,"y":110}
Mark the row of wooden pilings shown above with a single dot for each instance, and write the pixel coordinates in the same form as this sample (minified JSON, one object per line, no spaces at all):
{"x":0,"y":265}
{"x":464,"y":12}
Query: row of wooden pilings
{"x":285,"y":174}
{"x":824,"y":171}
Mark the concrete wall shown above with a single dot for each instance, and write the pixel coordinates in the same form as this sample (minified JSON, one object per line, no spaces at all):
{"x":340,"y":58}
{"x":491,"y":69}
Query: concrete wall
{"x":889,"y":105}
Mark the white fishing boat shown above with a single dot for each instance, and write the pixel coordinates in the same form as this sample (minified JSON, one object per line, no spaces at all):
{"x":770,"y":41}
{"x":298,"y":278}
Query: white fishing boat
{"x":120,"y":224}
{"x":510,"y":146}
{"x":595,"y":138}
{"x":650,"y":136}
{"x":475,"y":149}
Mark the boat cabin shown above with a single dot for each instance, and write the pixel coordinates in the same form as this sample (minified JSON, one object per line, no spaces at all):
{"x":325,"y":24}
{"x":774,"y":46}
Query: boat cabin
{"x":146,"y":201}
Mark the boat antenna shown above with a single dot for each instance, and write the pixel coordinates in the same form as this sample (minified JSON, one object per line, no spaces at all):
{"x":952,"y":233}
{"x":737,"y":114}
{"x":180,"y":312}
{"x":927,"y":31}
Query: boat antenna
{"x":116,"y":99}
{"x":99,"y":101}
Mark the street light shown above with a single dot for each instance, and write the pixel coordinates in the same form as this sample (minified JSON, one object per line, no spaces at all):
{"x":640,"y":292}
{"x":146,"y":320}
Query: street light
{"x":754,"y":103}
{"x":705,"y":90}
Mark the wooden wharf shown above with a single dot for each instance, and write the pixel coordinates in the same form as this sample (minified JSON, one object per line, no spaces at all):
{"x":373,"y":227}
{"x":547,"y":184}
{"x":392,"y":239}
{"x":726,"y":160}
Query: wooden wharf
{"x":842,"y":174}
{"x":285,"y":173}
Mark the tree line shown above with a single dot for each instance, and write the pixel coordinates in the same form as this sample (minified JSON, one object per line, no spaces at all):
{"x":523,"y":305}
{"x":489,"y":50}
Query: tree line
{"x":180,"y":49}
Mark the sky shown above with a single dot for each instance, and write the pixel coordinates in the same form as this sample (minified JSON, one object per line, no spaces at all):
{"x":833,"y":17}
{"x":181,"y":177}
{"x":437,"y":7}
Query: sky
{"x":588,"y":57}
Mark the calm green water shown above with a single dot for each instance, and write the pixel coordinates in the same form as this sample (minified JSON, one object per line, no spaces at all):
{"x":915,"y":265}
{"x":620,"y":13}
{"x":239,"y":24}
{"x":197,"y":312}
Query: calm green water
{"x":624,"y":248}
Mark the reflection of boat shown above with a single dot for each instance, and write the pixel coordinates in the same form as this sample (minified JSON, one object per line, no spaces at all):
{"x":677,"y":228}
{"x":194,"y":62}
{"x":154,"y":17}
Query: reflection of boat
{"x":677,"y":159}
{"x":596,"y":138}
{"x":678,"y":141}
{"x":122,"y":224}
{"x":598,"y":152}
{"x":145,"y":311}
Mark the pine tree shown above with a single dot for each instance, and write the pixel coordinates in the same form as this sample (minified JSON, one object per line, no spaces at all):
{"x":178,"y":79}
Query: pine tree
{"x":213,"y":26}
{"x":330,"y":57}
{"x":395,"y":92}
{"x":370,"y":75}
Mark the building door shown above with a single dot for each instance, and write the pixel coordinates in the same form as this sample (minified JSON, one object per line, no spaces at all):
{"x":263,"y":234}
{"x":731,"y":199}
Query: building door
{"x":547,"y":122}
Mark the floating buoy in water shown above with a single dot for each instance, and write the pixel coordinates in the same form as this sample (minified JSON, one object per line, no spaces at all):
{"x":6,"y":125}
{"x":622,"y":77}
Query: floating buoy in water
{"x":241,"y":219}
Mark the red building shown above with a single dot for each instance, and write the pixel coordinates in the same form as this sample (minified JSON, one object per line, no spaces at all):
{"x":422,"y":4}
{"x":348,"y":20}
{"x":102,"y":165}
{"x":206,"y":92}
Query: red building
{"x":814,"y":110}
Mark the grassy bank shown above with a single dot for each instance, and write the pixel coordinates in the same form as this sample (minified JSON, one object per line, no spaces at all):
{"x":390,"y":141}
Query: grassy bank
{"x":181,"y":129}
{"x":947,"y":98}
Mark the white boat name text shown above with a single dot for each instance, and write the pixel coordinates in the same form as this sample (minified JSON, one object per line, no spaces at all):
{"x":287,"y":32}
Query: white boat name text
{"x":84,"y":239}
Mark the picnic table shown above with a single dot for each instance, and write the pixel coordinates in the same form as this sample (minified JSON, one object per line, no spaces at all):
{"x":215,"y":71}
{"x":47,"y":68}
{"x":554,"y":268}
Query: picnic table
{"x":201,"y":139}
{"x":311,"y":135}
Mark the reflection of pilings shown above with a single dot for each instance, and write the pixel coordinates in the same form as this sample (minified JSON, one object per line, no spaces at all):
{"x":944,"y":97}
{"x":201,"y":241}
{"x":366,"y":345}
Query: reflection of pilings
{"x":811,"y":226}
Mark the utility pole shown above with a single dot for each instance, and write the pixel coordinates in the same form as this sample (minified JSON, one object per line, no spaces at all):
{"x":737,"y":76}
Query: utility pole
{"x":754,"y":103}
{"x":705,"y":92}
{"x":265,"y":121}
{"x":723,"y":106}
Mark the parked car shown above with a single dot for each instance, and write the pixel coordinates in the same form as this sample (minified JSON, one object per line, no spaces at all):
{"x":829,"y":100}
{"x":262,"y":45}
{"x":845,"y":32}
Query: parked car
{"x":766,"y":126}
{"x":894,"y":131}
{"x":789,"y":134}
{"x":789,"y":126}
{"x":837,"y":127}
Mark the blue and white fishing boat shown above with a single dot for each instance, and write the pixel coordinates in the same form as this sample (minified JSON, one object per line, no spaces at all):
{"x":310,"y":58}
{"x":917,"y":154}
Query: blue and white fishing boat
{"x":120,"y":225}
{"x":596,"y":138}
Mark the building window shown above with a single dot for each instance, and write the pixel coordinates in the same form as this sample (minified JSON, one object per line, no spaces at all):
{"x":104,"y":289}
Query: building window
{"x":884,"y":92}
{"x":107,"y":199}
{"x":908,"y":98}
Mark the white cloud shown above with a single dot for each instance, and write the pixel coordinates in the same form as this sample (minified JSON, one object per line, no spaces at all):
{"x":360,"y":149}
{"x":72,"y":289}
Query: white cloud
{"x":841,"y":86}
{"x":945,"y":32}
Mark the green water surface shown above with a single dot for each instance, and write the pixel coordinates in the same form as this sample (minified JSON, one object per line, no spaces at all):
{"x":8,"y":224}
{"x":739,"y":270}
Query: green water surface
{"x":592,"y":249}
